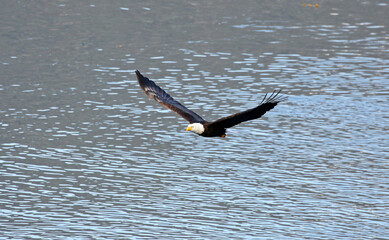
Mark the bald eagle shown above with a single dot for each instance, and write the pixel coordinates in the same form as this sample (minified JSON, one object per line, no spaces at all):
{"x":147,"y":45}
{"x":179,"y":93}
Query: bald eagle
{"x":198,"y":124}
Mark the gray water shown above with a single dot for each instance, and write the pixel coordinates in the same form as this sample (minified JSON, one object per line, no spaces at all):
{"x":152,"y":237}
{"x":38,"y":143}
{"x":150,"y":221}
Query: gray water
{"x":84,"y":154}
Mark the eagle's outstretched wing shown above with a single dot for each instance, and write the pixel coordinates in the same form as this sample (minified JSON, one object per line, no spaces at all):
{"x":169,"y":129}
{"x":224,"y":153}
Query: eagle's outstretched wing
{"x":159,"y":95}
{"x":266,"y":105}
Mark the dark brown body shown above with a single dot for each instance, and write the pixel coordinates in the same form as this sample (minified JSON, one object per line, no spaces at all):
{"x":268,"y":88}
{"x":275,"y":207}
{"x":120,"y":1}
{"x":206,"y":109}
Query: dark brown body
{"x":210,"y":131}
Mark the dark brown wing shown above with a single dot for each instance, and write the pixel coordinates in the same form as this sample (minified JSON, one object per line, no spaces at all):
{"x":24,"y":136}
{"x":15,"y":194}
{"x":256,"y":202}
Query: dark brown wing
{"x":159,"y":95}
{"x":266,"y":105}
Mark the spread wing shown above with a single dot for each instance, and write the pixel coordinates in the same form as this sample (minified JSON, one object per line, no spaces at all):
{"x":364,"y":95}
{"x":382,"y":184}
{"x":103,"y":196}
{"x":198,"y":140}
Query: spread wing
{"x":159,"y":95}
{"x":266,"y":105}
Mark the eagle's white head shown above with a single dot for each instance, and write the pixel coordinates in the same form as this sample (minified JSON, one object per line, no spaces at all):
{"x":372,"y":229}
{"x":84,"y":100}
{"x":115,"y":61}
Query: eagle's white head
{"x":196,"y":128}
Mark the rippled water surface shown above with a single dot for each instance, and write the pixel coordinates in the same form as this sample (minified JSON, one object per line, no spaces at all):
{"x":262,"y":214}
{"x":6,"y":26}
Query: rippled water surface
{"x":84,"y":154}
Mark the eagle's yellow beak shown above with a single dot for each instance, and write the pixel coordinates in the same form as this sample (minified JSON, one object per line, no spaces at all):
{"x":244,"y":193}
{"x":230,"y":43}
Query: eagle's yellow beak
{"x":189,"y":128}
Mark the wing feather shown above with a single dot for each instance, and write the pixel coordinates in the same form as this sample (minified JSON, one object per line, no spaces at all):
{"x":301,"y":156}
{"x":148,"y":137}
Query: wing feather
{"x":267,"y":104}
{"x":158,"y":94}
